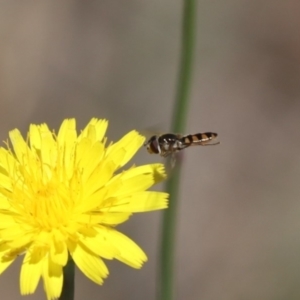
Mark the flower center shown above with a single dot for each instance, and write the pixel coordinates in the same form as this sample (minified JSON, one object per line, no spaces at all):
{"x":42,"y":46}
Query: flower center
{"x":46,"y":203}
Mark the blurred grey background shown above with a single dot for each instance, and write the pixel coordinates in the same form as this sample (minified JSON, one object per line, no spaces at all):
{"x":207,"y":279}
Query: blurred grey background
{"x":239,"y":219}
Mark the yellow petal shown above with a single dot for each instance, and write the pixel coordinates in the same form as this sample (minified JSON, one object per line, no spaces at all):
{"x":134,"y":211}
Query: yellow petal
{"x":115,"y":218}
{"x":19,"y":145}
{"x":31,"y":271}
{"x":122,"y":151}
{"x":35,"y":137}
{"x":90,"y":162}
{"x":129,"y":252}
{"x":66,"y":131}
{"x":89,"y":203}
{"x":155,"y":170}
{"x":6,"y":219}
{"x":5,"y":261}
{"x":99,"y":126}
{"x":53,"y":279}
{"x":91,"y":265}
{"x":7,"y":162}
{"x":5,"y":182}
{"x":100,"y":176}
{"x":66,"y":140}
{"x":58,"y":250}
{"x":48,"y":147}
{"x":126,"y":186}
{"x":100,"y":245}
{"x":140,"y":202}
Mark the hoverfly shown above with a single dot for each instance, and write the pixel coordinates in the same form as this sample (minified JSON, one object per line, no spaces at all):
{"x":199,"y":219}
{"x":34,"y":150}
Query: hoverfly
{"x":168,"y":144}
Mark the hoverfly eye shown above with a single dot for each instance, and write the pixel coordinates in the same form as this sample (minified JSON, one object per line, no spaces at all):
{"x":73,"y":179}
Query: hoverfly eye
{"x":152,"y":145}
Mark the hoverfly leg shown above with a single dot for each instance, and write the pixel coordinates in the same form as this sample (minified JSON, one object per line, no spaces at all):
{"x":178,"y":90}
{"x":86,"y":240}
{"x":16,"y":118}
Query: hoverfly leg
{"x":173,"y":160}
{"x":212,"y":144}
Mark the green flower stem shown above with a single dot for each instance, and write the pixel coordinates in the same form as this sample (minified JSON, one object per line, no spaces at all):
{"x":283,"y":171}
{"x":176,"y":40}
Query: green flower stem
{"x":68,"y":284}
{"x":166,"y":281}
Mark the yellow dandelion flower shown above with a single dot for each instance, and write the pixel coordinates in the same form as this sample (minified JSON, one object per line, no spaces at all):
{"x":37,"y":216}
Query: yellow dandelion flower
{"x":60,"y":197}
